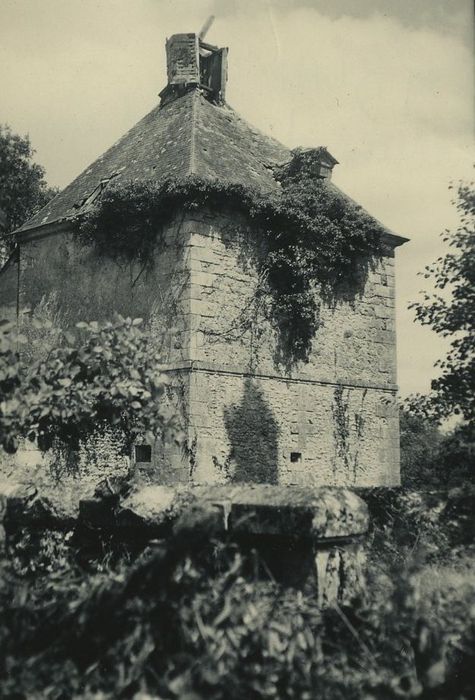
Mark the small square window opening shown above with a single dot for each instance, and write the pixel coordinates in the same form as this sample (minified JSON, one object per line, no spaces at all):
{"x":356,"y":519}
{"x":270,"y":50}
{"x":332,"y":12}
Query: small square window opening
{"x":143,"y":453}
{"x":295,"y":457}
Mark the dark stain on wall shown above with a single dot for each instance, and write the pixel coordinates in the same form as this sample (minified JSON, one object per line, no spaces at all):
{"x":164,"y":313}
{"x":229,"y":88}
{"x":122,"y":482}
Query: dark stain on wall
{"x":253,"y":434}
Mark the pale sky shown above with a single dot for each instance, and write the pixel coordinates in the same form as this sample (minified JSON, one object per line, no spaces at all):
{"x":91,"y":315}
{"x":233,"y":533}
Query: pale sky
{"x":386,"y":85}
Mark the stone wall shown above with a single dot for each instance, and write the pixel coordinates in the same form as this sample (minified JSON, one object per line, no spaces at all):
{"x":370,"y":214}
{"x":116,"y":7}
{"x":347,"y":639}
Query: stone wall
{"x":8,"y":290}
{"x":354,"y":343}
{"x":332,"y":420}
{"x":73,"y":284}
{"x":64,"y":283}
{"x":267,"y":429}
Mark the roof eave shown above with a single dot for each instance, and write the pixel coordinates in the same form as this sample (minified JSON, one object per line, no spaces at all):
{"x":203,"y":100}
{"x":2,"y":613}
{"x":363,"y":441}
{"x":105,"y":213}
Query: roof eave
{"x":393,"y":239}
{"x":43,"y":230}
{"x":389,"y":237}
{"x":65,"y":226}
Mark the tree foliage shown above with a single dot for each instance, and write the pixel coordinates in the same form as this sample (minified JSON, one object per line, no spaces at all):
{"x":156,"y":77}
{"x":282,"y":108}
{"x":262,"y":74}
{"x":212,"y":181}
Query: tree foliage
{"x":432,"y":459}
{"x":420,"y":440}
{"x":450,"y":312}
{"x":99,"y":375}
{"x":23,"y":188}
{"x":307,"y":236}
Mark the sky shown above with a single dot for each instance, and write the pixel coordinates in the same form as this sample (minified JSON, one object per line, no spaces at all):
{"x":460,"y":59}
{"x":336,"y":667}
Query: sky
{"x":385,"y":85}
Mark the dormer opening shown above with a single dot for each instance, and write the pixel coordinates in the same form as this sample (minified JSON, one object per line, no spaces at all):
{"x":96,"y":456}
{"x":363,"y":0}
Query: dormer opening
{"x":316,"y":162}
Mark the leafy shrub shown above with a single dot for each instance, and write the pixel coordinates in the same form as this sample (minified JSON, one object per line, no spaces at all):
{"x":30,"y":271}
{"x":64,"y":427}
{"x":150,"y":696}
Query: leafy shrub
{"x":99,"y":375}
{"x":186,"y":620}
{"x":452,"y":314}
{"x":432,"y":459}
{"x":420,"y":440}
{"x":405,"y":521}
{"x":457,"y":456}
{"x":437,"y":526}
{"x":23,"y":188}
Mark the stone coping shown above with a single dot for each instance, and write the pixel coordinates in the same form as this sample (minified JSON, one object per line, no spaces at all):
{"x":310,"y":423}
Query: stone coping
{"x":292,"y":511}
{"x":316,"y":513}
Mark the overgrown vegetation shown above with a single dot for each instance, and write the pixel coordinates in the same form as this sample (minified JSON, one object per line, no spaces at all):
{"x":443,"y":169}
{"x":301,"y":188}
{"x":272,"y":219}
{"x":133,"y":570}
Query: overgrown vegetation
{"x":23,"y":188}
{"x":96,"y":376}
{"x":306,"y":236}
{"x":194,"y":619}
{"x":432,"y":459}
{"x":450,"y":312}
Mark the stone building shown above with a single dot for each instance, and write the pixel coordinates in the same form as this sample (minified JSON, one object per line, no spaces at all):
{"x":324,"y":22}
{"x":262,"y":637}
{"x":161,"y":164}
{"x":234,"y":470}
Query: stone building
{"x":331,"y":420}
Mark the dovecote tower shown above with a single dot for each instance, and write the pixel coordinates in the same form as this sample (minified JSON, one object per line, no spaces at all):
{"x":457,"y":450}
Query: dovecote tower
{"x":331,"y":420}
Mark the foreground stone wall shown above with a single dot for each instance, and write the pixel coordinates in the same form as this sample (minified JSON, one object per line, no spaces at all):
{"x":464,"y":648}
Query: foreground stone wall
{"x":309,"y":539}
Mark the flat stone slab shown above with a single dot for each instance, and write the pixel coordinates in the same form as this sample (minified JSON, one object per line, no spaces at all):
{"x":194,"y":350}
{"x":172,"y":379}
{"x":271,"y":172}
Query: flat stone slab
{"x":265,"y":509}
{"x":319,"y":513}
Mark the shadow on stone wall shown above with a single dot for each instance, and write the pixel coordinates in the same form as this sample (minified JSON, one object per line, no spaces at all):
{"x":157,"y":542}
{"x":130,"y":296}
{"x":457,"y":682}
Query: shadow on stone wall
{"x":253,"y":435}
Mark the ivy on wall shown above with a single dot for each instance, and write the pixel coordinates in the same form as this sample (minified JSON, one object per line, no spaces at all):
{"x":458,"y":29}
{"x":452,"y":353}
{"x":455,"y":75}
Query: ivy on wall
{"x":341,"y":425}
{"x":307,"y":236}
{"x":347,"y":434}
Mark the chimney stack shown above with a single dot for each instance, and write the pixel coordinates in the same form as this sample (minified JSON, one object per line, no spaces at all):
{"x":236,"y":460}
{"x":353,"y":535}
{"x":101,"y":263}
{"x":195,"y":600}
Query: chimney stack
{"x":193,"y":63}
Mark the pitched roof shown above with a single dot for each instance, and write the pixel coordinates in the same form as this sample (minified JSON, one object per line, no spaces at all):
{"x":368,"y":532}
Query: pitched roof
{"x":188,"y":135}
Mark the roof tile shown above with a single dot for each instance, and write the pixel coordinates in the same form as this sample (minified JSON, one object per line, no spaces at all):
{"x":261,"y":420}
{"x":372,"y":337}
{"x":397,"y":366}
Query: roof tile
{"x":186,"y":136}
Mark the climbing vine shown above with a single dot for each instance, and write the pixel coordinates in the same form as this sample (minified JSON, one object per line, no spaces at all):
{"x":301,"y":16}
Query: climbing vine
{"x":306,"y":236}
{"x":341,"y":425}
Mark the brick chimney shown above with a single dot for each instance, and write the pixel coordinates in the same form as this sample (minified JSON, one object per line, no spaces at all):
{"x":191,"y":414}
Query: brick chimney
{"x":193,"y":63}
